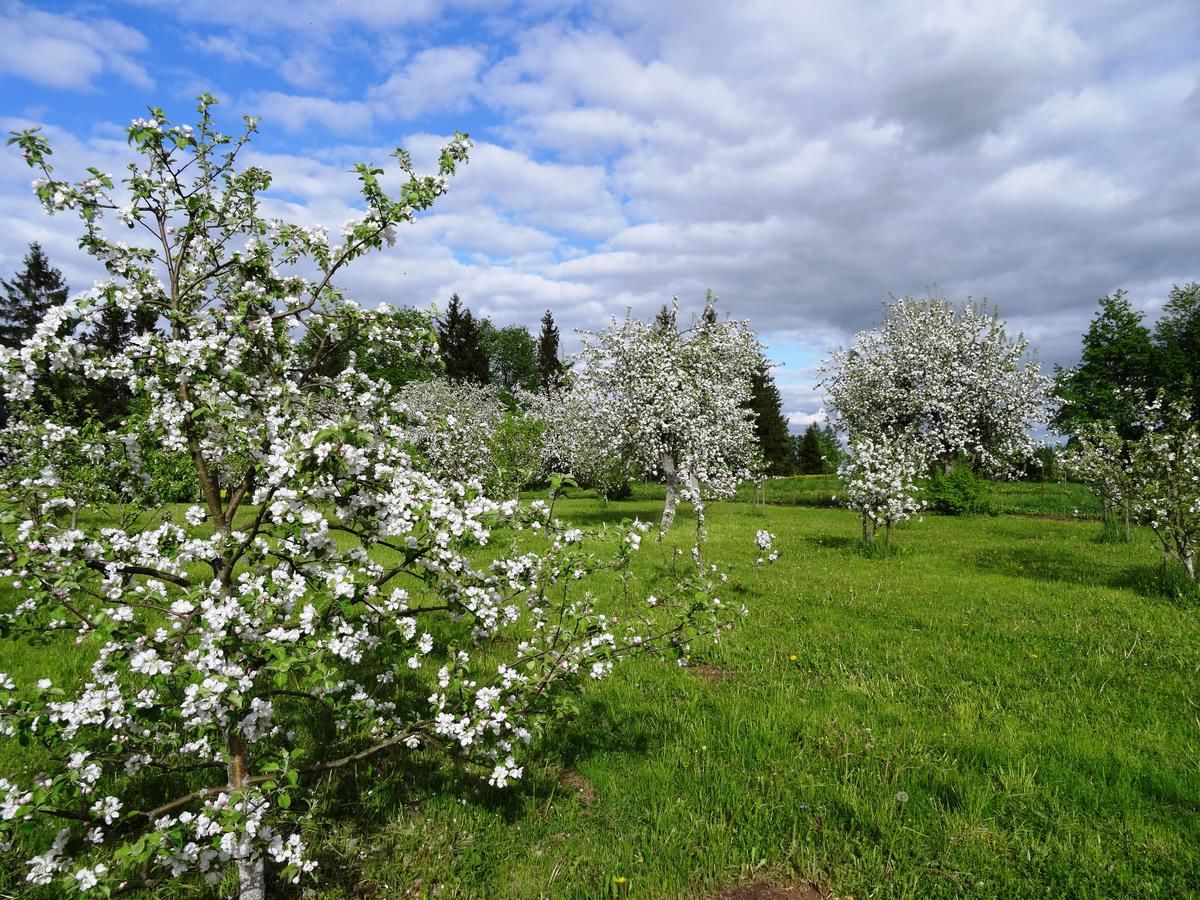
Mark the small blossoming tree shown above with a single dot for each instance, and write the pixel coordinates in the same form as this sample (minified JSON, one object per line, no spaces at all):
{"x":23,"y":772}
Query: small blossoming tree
{"x":465,"y":432}
{"x":881,"y":482}
{"x":1166,"y":476}
{"x":328,"y":602}
{"x":1100,"y":457}
{"x":666,"y":403}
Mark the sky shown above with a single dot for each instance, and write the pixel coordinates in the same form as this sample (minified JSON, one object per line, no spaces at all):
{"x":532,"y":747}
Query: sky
{"x":804,"y":161}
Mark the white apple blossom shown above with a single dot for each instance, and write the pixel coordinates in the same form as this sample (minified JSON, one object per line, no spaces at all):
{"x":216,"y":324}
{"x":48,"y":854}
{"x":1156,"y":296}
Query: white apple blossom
{"x":881,"y":475}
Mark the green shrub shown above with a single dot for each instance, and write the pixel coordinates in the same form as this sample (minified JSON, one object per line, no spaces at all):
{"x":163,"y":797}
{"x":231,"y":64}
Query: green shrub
{"x":619,"y":490}
{"x":961,"y":492}
{"x":1044,"y":465}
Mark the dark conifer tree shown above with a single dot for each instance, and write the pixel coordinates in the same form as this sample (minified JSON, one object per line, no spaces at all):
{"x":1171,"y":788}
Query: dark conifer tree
{"x":665,"y":320}
{"x":549,"y":366}
{"x":808,"y":452}
{"x":769,"y":424}
{"x":114,"y":331}
{"x":24,"y":302}
{"x":116,"y":328}
{"x":29,"y":296}
{"x":461,"y":344}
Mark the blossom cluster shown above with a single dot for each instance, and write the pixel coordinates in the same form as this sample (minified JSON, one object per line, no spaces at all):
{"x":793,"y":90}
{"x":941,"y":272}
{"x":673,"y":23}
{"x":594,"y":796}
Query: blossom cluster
{"x":765,"y":541}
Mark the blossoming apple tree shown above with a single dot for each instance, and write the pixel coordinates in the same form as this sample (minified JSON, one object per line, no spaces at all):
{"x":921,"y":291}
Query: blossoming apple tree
{"x":1101,"y":458}
{"x":666,"y":403}
{"x":949,"y":375}
{"x":1166,"y":476}
{"x":881,"y":482}
{"x":326,"y":602}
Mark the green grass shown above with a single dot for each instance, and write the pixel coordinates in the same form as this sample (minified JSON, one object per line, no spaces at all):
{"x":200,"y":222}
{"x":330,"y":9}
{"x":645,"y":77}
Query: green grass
{"x":1028,"y":688}
{"x":1060,"y":499}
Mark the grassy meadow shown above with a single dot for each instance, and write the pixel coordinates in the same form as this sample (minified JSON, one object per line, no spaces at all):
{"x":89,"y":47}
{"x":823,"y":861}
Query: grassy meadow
{"x":1007,"y":707}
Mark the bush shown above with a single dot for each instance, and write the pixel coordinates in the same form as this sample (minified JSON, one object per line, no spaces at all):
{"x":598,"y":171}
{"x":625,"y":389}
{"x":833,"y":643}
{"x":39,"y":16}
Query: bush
{"x":619,"y":490}
{"x":961,"y":492}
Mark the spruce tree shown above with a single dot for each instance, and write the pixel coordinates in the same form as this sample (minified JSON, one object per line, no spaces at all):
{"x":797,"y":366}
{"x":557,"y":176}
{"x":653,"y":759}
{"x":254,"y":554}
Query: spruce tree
{"x":24,"y":302}
{"x":112,"y":334}
{"x":665,"y":320}
{"x":549,"y":366}
{"x":808,"y":452}
{"x":117,"y":328}
{"x":770,"y":427}
{"x":460,"y":341}
{"x":28,"y":297}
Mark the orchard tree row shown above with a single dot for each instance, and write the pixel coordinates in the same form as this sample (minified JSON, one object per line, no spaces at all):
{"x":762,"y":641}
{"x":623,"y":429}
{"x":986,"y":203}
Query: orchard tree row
{"x":1130,"y":410}
{"x":353,"y":577}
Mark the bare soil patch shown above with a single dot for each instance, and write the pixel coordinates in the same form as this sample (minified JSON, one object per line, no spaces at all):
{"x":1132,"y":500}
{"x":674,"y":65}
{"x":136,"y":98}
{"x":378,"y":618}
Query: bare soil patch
{"x":711,"y":674}
{"x":767,"y":890}
{"x":580,"y":785}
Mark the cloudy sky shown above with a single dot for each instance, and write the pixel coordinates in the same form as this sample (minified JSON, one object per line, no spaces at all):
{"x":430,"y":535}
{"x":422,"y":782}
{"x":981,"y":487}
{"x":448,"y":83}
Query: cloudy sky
{"x":803,"y":160}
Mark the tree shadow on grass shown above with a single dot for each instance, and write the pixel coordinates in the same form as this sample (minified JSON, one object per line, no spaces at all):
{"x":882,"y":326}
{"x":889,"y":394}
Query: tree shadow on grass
{"x":1151,"y":581}
{"x":372,"y":813}
{"x":1039,"y":565}
{"x":833,"y":542}
{"x":1148,"y":581}
{"x":411,"y":777}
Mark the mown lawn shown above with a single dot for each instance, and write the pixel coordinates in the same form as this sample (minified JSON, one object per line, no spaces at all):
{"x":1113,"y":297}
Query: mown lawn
{"x":1006,"y":708}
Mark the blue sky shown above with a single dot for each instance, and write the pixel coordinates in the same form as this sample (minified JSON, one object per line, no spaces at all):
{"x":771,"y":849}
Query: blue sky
{"x":804,"y":160}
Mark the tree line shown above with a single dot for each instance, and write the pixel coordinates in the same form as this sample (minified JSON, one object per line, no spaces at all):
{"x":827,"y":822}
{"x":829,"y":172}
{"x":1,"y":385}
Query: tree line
{"x":471,"y":349}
